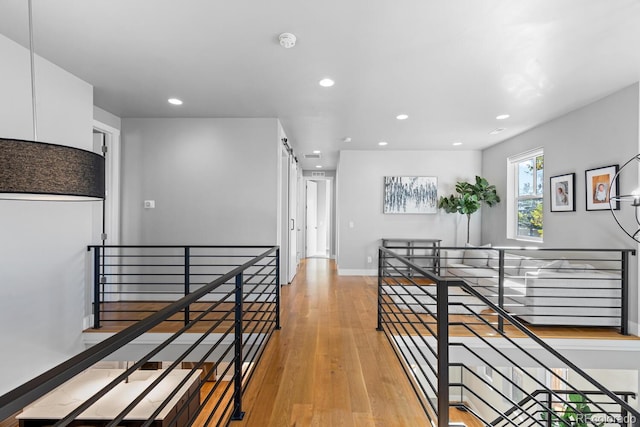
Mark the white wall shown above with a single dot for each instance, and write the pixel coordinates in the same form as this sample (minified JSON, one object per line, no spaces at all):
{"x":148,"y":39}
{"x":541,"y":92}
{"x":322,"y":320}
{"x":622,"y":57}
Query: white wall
{"x":42,"y":244}
{"x":214,"y":181}
{"x":600,"y":134}
{"x":360,"y":180}
{"x":107,"y":118}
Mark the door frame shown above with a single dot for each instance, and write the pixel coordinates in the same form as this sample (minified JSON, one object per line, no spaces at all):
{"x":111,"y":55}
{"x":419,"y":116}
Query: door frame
{"x":112,"y":180}
{"x":333,"y":212}
{"x":111,"y":209}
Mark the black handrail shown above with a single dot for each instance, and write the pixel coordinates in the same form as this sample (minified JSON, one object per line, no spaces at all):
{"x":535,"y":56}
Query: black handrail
{"x":534,"y":394}
{"x":389,"y":274}
{"x":156,"y":280}
{"x":18,"y":398}
{"x":539,"y":306}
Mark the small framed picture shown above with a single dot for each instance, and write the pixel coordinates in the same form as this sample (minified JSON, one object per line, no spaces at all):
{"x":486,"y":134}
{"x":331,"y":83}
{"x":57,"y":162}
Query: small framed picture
{"x":599,"y":185}
{"x":563,"y":193}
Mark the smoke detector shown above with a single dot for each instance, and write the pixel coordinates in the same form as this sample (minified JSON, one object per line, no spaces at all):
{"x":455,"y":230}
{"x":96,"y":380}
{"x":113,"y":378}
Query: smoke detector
{"x":287,"y":40}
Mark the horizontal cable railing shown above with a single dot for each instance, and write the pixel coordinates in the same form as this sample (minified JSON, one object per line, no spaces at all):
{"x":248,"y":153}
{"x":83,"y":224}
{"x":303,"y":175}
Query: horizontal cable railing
{"x":445,"y":330}
{"x":530,"y":404}
{"x":197,"y":373}
{"x":131,"y":282}
{"x":541,"y":286}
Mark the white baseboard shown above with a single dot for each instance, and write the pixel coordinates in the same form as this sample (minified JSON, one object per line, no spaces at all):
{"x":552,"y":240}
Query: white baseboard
{"x":357,"y":272}
{"x":87,"y":322}
{"x":634,"y":329}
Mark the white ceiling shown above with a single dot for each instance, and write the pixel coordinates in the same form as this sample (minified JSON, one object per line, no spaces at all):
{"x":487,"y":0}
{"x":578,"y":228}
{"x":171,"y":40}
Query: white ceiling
{"x":452,"y":66}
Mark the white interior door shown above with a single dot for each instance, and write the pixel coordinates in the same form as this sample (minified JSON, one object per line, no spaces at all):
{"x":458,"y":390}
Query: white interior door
{"x":293,"y":219}
{"x":312,"y":219}
{"x":284,"y":217}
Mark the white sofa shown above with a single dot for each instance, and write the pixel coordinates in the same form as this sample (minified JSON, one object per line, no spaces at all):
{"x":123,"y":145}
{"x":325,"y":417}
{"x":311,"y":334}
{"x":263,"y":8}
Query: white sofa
{"x":541,"y":292}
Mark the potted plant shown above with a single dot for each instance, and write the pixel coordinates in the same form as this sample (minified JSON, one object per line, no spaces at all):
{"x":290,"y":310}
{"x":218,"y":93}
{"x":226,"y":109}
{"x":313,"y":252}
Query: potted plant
{"x":469,"y":198}
{"x":578,"y":414}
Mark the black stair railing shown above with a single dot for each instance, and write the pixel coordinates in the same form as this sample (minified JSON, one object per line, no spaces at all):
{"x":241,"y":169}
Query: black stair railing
{"x":443,"y":329}
{"x":127,"y":275}
{"x":230,"y":331}
{"x":542,"y":286}
{"x":530,"y":403}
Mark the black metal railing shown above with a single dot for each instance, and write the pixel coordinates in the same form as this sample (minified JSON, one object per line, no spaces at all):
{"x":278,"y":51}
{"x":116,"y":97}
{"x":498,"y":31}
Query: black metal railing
{"x":206,"y":361}
{"x":132,"y":282}
{"x":542,"y":286}
{"x":531,"y":404}
{"x":444,"y":330}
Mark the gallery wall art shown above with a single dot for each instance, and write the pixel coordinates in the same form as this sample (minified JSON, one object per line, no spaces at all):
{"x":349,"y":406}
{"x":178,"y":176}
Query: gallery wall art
{"x":410,"y":195}
{"x":563,"y":193}
{"x":599,"y":183}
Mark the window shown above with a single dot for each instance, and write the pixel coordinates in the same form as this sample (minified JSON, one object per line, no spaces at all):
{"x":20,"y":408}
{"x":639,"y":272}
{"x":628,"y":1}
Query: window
{"x":525,"y":196}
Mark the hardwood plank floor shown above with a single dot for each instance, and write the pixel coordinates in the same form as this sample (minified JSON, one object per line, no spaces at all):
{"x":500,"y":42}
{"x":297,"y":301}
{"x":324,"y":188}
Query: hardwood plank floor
{"x":328,"y":366}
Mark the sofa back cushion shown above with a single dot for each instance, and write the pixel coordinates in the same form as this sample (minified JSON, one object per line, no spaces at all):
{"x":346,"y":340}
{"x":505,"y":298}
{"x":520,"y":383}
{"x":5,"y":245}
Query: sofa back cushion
{"x":476,"y":257}
{"x":511,"y":263}
{"x":531,"y":264}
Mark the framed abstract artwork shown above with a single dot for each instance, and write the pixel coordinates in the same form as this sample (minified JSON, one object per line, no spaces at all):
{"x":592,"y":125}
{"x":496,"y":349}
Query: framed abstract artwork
{"x":599,"y":184}
{"x":410,"y":195}
{"x":563,"y":193}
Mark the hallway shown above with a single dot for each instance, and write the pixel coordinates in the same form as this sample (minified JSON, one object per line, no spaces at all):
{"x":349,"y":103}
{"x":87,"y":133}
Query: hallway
{"x":328,"y":366}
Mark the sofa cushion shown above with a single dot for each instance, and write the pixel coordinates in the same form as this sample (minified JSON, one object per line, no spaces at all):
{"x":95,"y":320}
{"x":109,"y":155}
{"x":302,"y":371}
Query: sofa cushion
{"x":470,"y":274}
{"x":530,"y":264}
{"x":477,"y":257}
{"x":511,"y":263}
{"x":452,"y":256}
{"x":577,"y":268}
{"x":554,"y":266}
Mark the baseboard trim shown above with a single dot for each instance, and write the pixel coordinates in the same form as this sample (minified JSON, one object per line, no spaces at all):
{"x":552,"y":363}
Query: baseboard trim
{"x":87,"y":322}
{"x":357,"y":272}
{"x":634,"y":328}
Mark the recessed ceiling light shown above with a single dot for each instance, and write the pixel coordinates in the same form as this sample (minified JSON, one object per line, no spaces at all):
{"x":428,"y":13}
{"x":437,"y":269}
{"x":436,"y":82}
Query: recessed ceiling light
{"x":502,"y":116}
{"x":402,"y":117}
{"x":497,"y":131}
{"x":319,"y":166}
{"x":457,"y":143}
{"x":174,"y":101}
{"x":382,"y":143}
{"x":347,"y":139}
{"x":316,"y":151}
{"x":326,"y":82}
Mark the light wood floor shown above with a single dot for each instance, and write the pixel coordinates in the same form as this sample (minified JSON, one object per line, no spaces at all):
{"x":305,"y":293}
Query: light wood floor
{"x":328,"y":366}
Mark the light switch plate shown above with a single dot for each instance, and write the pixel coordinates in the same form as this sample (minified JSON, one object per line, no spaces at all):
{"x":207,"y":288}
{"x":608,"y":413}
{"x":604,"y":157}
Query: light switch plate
{"x":149,"y":204}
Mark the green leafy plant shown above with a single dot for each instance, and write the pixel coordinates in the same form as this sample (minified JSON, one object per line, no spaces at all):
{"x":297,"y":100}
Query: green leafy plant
{"x":578,"y":414}
{"x":469,"y":198}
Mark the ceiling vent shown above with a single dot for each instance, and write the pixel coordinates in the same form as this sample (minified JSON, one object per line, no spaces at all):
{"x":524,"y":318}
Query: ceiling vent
{"x":312,"y":156}
{"x":317,"y":174}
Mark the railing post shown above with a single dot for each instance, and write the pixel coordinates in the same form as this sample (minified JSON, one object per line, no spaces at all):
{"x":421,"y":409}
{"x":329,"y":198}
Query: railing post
{"x":443,"y":353}
{"x":237,"y":386}
{"x":380,"y":264}
{"x":501,"y":287}
{"x":278,"y":289}
{"x":549,"y":411}
{"x":624,"y":304}
{"x":623,"y":412}
{"x":187,"y":281}
{"x":96,"y":287}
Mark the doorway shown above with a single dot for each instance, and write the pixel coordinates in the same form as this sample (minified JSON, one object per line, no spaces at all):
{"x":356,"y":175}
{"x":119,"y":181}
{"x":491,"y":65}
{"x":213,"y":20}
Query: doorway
{"x":106,"y":214}
{"x":319,"y":202}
